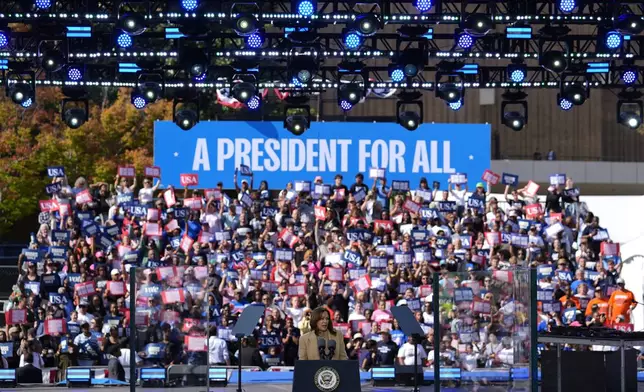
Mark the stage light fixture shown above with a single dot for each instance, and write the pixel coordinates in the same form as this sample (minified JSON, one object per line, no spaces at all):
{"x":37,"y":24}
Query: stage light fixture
{"x":464,"y":41}
{"x":563,"y":103}
{"x":195,"y":61}
{"x":567,"y":5}
{"x":613,"y":40}
{"x":151,"y":91}
{"x":74,"y":73}
{"x":75,"y":117}
{"x":629,"y":24}
{"x":423,"y":5}
{"x":367,"y":24}
{"x":405,"y":116}
{"x":244,"y":91}
{"x":297,"y":114}
{"x":575,"y":93}
{"x":254,"y":102}
{"x":345,"y":105}
{"x":124,"y":40}
{"x":306,"y":7}
{"x":302,"y":68}
{"x":350,"y":92}
{"x":629,"y":76}
{"x":42,"y":4}
{"x":477,"y":25}
{"x":245,"y":24}
{"x":27,"y":104}
{"x":189,"y":5}
{"x":132,"y":23}
{"x":450,"y":92}
{"x":554,"y":61}
{"x":254,"y":40}
{"x":137,"y":99}
{"x":352,"y":40}
{"x":517,"y":72}
{"x":455,"y":105}
{"x":186,"y":119}
{"x":4,"y":39}
{"x":296,"y":124}
{"x":52,"y":60}
{"x":629,"y":113}
{"x":514,"y":120}
{"x":396,"y":73}
{"x":20,"y":92}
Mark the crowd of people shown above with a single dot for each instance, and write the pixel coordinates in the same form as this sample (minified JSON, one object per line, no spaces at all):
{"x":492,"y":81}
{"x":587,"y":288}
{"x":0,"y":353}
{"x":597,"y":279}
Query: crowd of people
{"x":202,"y":256}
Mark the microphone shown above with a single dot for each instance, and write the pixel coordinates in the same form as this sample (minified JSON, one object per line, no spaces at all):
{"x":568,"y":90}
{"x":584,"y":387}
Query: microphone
{"x":321,"y":348}
{"x":331,"y":349}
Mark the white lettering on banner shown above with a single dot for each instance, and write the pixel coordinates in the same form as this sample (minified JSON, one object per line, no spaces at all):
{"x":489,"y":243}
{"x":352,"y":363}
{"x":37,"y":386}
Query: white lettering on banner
{"x":313,"y":155}
{"x":202,"y":158}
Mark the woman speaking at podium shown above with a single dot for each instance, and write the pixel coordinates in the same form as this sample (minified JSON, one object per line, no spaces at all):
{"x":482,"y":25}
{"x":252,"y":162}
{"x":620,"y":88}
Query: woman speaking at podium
{"x":323,"y":342}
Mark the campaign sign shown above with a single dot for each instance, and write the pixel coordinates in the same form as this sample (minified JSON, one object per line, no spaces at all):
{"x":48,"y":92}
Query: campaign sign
{"x":153,"y":171}
{"x":326,"y":149}
{"x":55,"y":171}
{"x":53,"y":188}
{"x":510,"y":179}
{"x":127,"y":171}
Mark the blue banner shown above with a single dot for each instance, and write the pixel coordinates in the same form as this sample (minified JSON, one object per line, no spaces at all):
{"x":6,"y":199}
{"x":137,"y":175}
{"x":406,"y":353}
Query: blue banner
{"x":213,"y":150}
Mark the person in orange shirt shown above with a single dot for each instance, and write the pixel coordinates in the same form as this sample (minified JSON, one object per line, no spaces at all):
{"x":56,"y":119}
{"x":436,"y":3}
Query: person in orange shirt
{"x":600,"y":301}
{"x":621,"y":303}
{"x":569,"y":297}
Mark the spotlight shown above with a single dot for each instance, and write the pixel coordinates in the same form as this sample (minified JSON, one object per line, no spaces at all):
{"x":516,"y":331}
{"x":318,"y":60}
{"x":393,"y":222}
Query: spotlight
{"x":563,"y":103}
{"x":132,"y":24}
{"x":244,"y":91}
{"x":137,"y":100}
{"x":514,"y":109}
{"x":464,"y":41}
{"x":629,"y":76}
{"x":405,"y":116}
{"x":450,"y":92}
{"x":409,"y":120}
{"x":254,"y":103}
{"x":20,"y":92}
{"x":517,"y":72}
{"x":245,"y":24}
{"x":575,"y":93}
{"x":151,"y":91}
{"x":629,"y":24}
{"x":296,"y":82}
{"x":75,"y":117}
{"x":296,"y":124}
{"x":411,"y":62}
{"x":554,"y":61}
{"x":74,"y":74}
{"x":613,"y":40}
{"x":567,"y":5}
{"x":4,"y":39}
{"x":367,"y":24}
{"x":345,"y":105}
{"x":302,"y":69}
{"x":195,"y":61}
{"x":42,"y":4}
{"x":350,"y":92}
{"x":352,"y":40}
{"x":629,"y":113}
{"x":254,"y":40}
{"x":514,"y":120}
{"x":396,"y":73}
{"x":189,"y":5}
{"x":423,"y":5}
{"x":186,"y":119}
{"x":124,"y":40}
{"x":478,"y":25}
{"x":27,"y":104}
{"x":52,"y":60}
{"x":455,"y":105}
{"x":305,"y":8}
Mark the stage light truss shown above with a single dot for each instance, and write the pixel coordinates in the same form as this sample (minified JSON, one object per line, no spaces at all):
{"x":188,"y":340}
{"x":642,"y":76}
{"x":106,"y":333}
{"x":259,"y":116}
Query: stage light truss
{"x":102,"y":47}
{"x":328,"y":78}
{"x":327,"y":12}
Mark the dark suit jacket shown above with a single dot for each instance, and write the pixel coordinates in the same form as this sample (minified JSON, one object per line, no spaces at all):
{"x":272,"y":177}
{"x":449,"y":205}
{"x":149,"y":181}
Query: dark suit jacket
{"x":29,"y":374}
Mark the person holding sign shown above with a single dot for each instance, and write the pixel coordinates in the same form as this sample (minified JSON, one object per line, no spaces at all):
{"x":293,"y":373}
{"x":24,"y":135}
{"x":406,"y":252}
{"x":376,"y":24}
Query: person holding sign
{"x":246,"y":188}
{"x":146,"y":194}
{"x":340,"y":196}
{"x":321,"y":327}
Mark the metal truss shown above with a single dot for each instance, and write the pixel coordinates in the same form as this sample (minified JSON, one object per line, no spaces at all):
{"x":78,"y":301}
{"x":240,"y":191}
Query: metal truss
{"x":101,"y":47}
{"x":328,"y":12}
{"x":329,"y":78}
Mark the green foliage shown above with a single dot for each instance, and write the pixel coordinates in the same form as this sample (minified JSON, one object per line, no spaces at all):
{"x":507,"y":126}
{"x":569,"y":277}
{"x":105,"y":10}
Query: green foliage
{"x":30,"y":140}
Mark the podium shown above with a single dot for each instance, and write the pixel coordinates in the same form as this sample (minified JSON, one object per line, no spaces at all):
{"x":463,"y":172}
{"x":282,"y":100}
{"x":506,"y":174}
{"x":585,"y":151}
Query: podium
{"x":326,"y":376}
